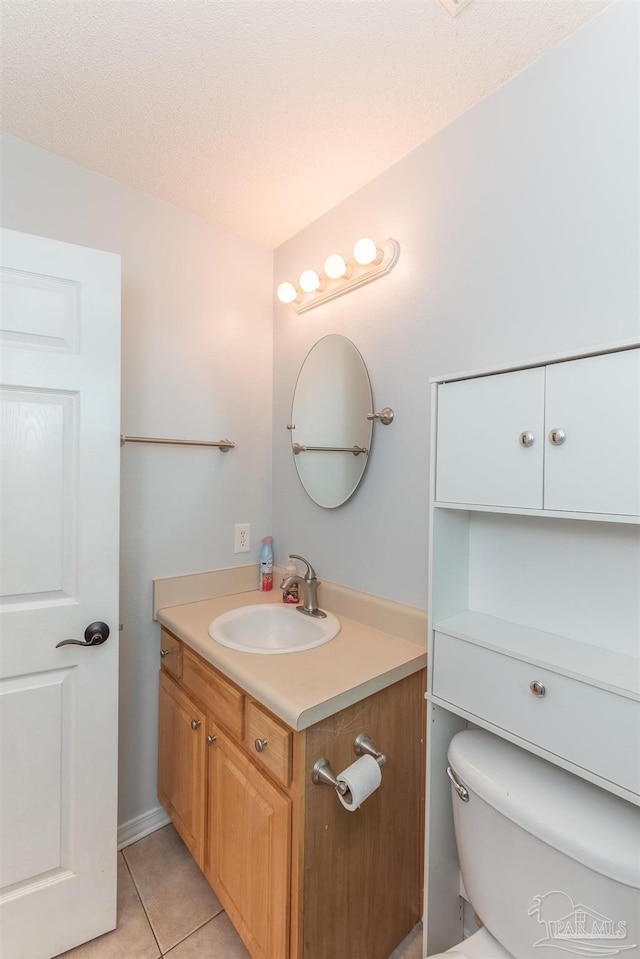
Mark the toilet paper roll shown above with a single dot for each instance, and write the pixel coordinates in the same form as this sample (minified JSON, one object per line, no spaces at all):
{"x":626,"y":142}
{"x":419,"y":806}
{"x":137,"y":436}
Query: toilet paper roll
{"x":361,"y":778}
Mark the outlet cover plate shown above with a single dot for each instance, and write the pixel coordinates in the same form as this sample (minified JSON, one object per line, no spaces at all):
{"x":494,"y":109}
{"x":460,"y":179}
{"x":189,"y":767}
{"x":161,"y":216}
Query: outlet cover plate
{"x":242,"y":538}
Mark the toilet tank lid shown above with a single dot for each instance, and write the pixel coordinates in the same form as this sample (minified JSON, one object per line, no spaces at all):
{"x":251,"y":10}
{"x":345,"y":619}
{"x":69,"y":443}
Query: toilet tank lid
{"x":590,"y":825}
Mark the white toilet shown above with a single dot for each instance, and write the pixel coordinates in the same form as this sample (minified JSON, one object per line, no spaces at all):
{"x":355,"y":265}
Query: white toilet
{"x":550,"y":862}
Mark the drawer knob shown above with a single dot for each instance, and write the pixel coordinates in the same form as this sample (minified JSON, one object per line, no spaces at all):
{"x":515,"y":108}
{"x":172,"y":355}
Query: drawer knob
{"x":195,"y":724}
{"x":526,"y":438}
{"x":537,"y":688}
{"x":164,"y":652}
{"x":261,"y":745}
{"x":211,"y":740}
{"x":557,"y":437}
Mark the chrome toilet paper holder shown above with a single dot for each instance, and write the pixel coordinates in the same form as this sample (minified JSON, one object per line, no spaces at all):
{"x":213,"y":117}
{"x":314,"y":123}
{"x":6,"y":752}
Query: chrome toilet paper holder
{"x":323,"y":773}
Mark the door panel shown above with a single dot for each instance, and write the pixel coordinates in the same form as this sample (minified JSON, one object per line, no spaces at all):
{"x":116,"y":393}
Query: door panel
{"x":59,"y":517}
{"x":181,"y":764}
{"x":480,"y":459}
{"x":249,"y":821}
{"x":596,"y":402}
{"x":41,"y":706}
{"x":38,"y":481}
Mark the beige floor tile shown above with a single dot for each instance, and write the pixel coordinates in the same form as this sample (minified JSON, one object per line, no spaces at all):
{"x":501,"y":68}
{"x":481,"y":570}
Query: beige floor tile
{"x":132,"y":938}
{"x":215,"y":940}
{"x":175,"y":894}
{"x":411,"y":947}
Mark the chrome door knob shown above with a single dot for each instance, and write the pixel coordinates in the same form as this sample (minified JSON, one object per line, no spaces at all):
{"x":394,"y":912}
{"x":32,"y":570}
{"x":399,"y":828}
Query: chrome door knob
{"x":537,"y":688}
{"x":195,"y":724}
{"x":210,"y":740}
{"x":557,"y":437}
{"x":164,"y":652}
{"x":526,"y":439}
{"x":94,"y":635}
{"x":261,"y":745}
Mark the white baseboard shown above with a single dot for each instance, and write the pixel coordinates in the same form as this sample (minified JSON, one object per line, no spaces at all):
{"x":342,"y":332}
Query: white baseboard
{"x":141,"y":826}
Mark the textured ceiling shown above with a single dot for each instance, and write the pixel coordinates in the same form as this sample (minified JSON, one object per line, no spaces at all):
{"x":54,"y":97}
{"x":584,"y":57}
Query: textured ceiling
{"x":259,"y":115}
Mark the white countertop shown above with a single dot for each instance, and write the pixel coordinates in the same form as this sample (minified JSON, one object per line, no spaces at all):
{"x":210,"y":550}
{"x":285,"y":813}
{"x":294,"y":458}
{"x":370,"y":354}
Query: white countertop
{"x":300,"y":688}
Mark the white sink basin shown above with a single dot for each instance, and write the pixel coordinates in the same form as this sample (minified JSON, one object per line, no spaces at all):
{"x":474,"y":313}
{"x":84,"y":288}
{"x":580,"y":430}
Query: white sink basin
{"x":271,"y":628}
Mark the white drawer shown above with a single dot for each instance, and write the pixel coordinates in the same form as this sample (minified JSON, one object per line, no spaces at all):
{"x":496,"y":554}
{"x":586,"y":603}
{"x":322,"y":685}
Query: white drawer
{"x":586,"y":725}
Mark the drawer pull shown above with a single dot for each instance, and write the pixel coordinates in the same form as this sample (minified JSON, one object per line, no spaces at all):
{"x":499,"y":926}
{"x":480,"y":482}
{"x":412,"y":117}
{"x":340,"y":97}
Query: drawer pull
{"x":195,"y":724}
{"x":211,"y":740}
{"x":537,"y":688}
{"x":164,"y":652}
{"x":526,"y":439}
{"x":261,"y":745}
{"x":461,"y":790}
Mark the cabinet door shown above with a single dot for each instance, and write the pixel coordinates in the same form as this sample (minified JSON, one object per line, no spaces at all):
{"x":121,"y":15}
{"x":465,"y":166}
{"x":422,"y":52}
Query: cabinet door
{"x":181,"y":764}
{"x":480,"y":458}
{"x":596,"y":402}
{"x":249,"y":849}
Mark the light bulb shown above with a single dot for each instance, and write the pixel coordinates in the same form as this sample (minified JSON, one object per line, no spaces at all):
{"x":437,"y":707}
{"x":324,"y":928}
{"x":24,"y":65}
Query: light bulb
{"x":365,"y":251}
{"x":335,"y":267}
{"x":309,"y":281}
{"x":287,"y":293}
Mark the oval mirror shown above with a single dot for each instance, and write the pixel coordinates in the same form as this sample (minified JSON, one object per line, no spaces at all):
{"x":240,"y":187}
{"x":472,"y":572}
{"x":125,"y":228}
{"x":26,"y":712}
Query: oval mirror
{"x":330,"y":432}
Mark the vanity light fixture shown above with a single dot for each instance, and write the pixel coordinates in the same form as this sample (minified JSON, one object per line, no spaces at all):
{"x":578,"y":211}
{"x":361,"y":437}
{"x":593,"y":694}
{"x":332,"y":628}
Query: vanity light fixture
{"x":370,"y":261}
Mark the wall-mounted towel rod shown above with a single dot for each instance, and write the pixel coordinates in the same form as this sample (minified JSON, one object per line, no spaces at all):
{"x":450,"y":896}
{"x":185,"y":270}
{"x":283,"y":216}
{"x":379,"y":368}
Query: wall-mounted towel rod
{"x":223,"y":445}
{"x":356,"y":450}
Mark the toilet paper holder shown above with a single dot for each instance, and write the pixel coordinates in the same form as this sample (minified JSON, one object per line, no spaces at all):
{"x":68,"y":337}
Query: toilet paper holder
{"x":323,"y":773}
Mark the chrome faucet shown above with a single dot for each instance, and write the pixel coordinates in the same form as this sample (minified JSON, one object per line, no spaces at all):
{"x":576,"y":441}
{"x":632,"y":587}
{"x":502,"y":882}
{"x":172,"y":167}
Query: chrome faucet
{"x":309,"y":585}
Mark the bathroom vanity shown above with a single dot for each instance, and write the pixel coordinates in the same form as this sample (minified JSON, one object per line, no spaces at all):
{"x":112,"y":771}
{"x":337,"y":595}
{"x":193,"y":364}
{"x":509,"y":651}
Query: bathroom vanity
{"x":535,"y":581}
{"x":239,"y":734}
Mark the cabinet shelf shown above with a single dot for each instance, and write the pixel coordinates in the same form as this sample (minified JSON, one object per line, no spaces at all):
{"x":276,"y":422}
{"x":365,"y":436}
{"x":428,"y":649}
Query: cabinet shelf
{"x":544,"y":513}
{"x":592,"y":664}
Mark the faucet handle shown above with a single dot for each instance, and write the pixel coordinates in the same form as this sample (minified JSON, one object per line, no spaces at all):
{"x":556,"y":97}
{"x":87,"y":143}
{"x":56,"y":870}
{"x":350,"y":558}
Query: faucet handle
{"x":310,"y":571}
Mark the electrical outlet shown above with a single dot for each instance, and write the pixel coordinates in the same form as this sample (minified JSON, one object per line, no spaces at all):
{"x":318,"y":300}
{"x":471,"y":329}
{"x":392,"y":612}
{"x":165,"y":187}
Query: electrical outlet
{"x":242,"y":540}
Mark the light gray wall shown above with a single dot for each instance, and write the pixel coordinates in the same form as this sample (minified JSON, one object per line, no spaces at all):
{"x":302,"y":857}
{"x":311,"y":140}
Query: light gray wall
{"x":518,"y":226}
{"x":196,"y":363}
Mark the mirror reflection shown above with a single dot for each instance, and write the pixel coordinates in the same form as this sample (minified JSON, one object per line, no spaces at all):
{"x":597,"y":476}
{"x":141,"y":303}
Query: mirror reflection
{"x":331,"y":435}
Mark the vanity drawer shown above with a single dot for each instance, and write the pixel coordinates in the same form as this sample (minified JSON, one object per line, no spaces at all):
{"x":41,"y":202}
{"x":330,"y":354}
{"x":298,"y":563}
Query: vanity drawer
{"x":586,"y":725}
{"x":219,"y":697}
{"x":171,"y":653}
{"x":269,"y":742}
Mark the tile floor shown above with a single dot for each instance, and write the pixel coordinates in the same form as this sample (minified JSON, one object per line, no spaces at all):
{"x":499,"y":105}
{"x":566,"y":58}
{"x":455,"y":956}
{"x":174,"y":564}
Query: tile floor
{"x":154,"y":922}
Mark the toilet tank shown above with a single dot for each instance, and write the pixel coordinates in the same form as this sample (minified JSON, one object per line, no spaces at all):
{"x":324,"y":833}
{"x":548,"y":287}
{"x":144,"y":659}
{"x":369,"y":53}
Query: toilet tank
{"x":550,"y":862}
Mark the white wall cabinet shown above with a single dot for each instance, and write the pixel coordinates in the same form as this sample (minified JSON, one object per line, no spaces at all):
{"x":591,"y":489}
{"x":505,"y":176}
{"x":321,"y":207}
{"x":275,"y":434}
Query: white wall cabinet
{"x":561,"y":437}
{"x":534,"y":582}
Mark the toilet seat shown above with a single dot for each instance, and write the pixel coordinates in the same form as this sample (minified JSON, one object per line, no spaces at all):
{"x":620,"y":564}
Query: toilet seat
{"x":481,"y":945}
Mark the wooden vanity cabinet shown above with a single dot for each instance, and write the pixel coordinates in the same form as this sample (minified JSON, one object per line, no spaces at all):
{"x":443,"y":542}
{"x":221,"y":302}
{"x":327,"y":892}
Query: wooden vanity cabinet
{"x":299,"y":876}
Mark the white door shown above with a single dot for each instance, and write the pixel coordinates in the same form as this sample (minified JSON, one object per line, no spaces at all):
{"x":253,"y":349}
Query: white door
{"x":60,"y":392}
{"x":480,"y":456}
{"x":596,"y":403}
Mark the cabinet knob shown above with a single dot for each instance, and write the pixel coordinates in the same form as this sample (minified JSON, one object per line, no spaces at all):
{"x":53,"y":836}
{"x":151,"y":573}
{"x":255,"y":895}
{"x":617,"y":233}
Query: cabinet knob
{"x":211,"y":740}
{"x":557,"y":437}
{"x":261,"y":745}
{"x":537,"y":688}
{"x":164,"y":652}
{"x":526,"y":438}
{"x":195,"y":724}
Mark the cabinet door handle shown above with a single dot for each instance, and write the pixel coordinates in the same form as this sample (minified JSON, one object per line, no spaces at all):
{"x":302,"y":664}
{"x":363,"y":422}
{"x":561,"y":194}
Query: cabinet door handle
{"x":261,"y":745}
{"x":211,"y":740}
{"x":164,"y":652}
{"x":526,"y":438}
{"x":537,"y":688}
{"x":557,"y":437}
{"x":195,"y":724}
